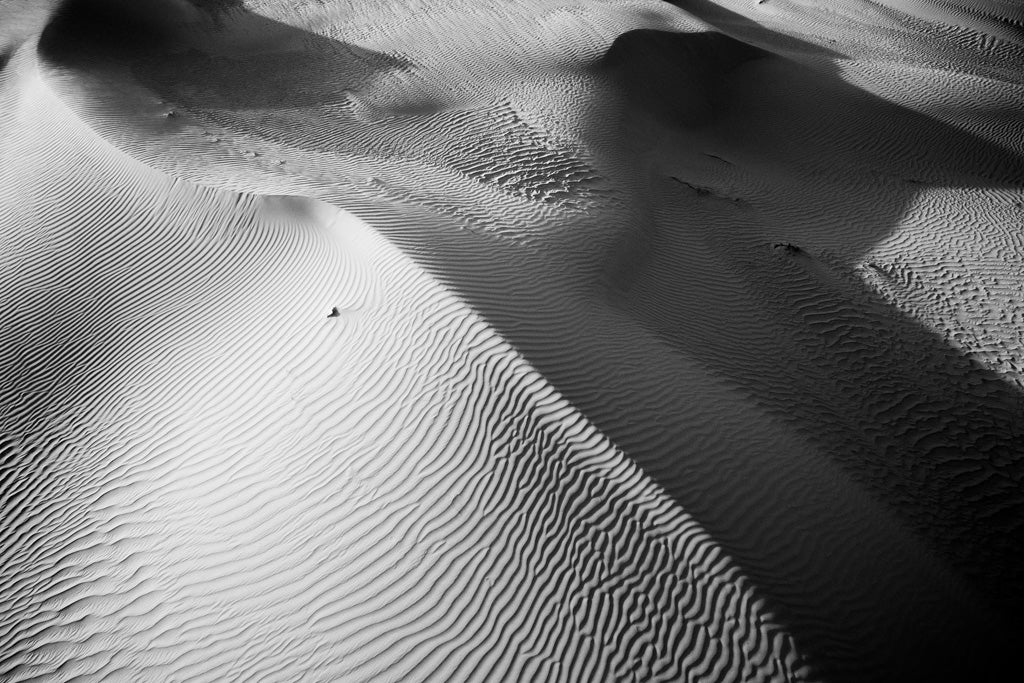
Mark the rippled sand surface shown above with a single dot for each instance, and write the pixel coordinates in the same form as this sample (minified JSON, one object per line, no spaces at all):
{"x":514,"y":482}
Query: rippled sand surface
{"x":580,"y":340}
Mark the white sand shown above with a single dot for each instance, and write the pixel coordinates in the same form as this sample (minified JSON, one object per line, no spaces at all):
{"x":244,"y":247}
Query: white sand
{"x":547,"y":340}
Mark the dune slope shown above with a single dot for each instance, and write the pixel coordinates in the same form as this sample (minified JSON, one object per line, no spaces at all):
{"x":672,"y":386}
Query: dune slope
{"x":621,"y":340}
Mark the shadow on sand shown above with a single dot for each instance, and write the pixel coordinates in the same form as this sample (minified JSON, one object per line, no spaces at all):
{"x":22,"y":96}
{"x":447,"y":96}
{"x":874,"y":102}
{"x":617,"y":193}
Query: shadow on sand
{"x":925,"y":461}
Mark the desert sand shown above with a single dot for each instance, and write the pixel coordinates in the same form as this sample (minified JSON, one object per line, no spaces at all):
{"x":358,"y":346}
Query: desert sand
{"x":580,"y":340}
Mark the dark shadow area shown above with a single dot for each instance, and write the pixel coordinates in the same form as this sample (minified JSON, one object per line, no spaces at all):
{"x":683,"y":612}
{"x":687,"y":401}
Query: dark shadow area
{"x":167,"y":45}
{"x":949,"y":460}
{"x":932,"y":434}
{"x":690,"y":88}
{"x":124,"y":26}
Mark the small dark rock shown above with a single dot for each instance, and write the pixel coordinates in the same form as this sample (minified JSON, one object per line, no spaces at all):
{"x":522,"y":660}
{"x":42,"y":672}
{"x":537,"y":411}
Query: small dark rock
{"x":788,"y":248}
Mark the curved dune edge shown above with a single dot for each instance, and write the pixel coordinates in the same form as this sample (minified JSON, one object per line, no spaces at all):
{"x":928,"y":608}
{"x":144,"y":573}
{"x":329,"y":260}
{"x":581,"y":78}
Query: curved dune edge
{"x":745,"y":445}
{"x":254,"y":441}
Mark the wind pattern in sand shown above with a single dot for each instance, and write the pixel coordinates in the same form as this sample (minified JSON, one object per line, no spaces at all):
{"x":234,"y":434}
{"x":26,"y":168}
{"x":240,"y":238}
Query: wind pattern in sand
{"x":607,"y":340}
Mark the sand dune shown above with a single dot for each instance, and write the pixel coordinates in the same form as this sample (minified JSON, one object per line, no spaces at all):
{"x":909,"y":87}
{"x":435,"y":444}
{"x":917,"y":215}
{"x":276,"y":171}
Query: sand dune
{"x":620,"y":340}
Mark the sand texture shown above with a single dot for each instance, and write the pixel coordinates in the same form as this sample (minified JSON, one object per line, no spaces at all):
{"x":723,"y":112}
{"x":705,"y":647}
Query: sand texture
{"x":546,"y":340}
